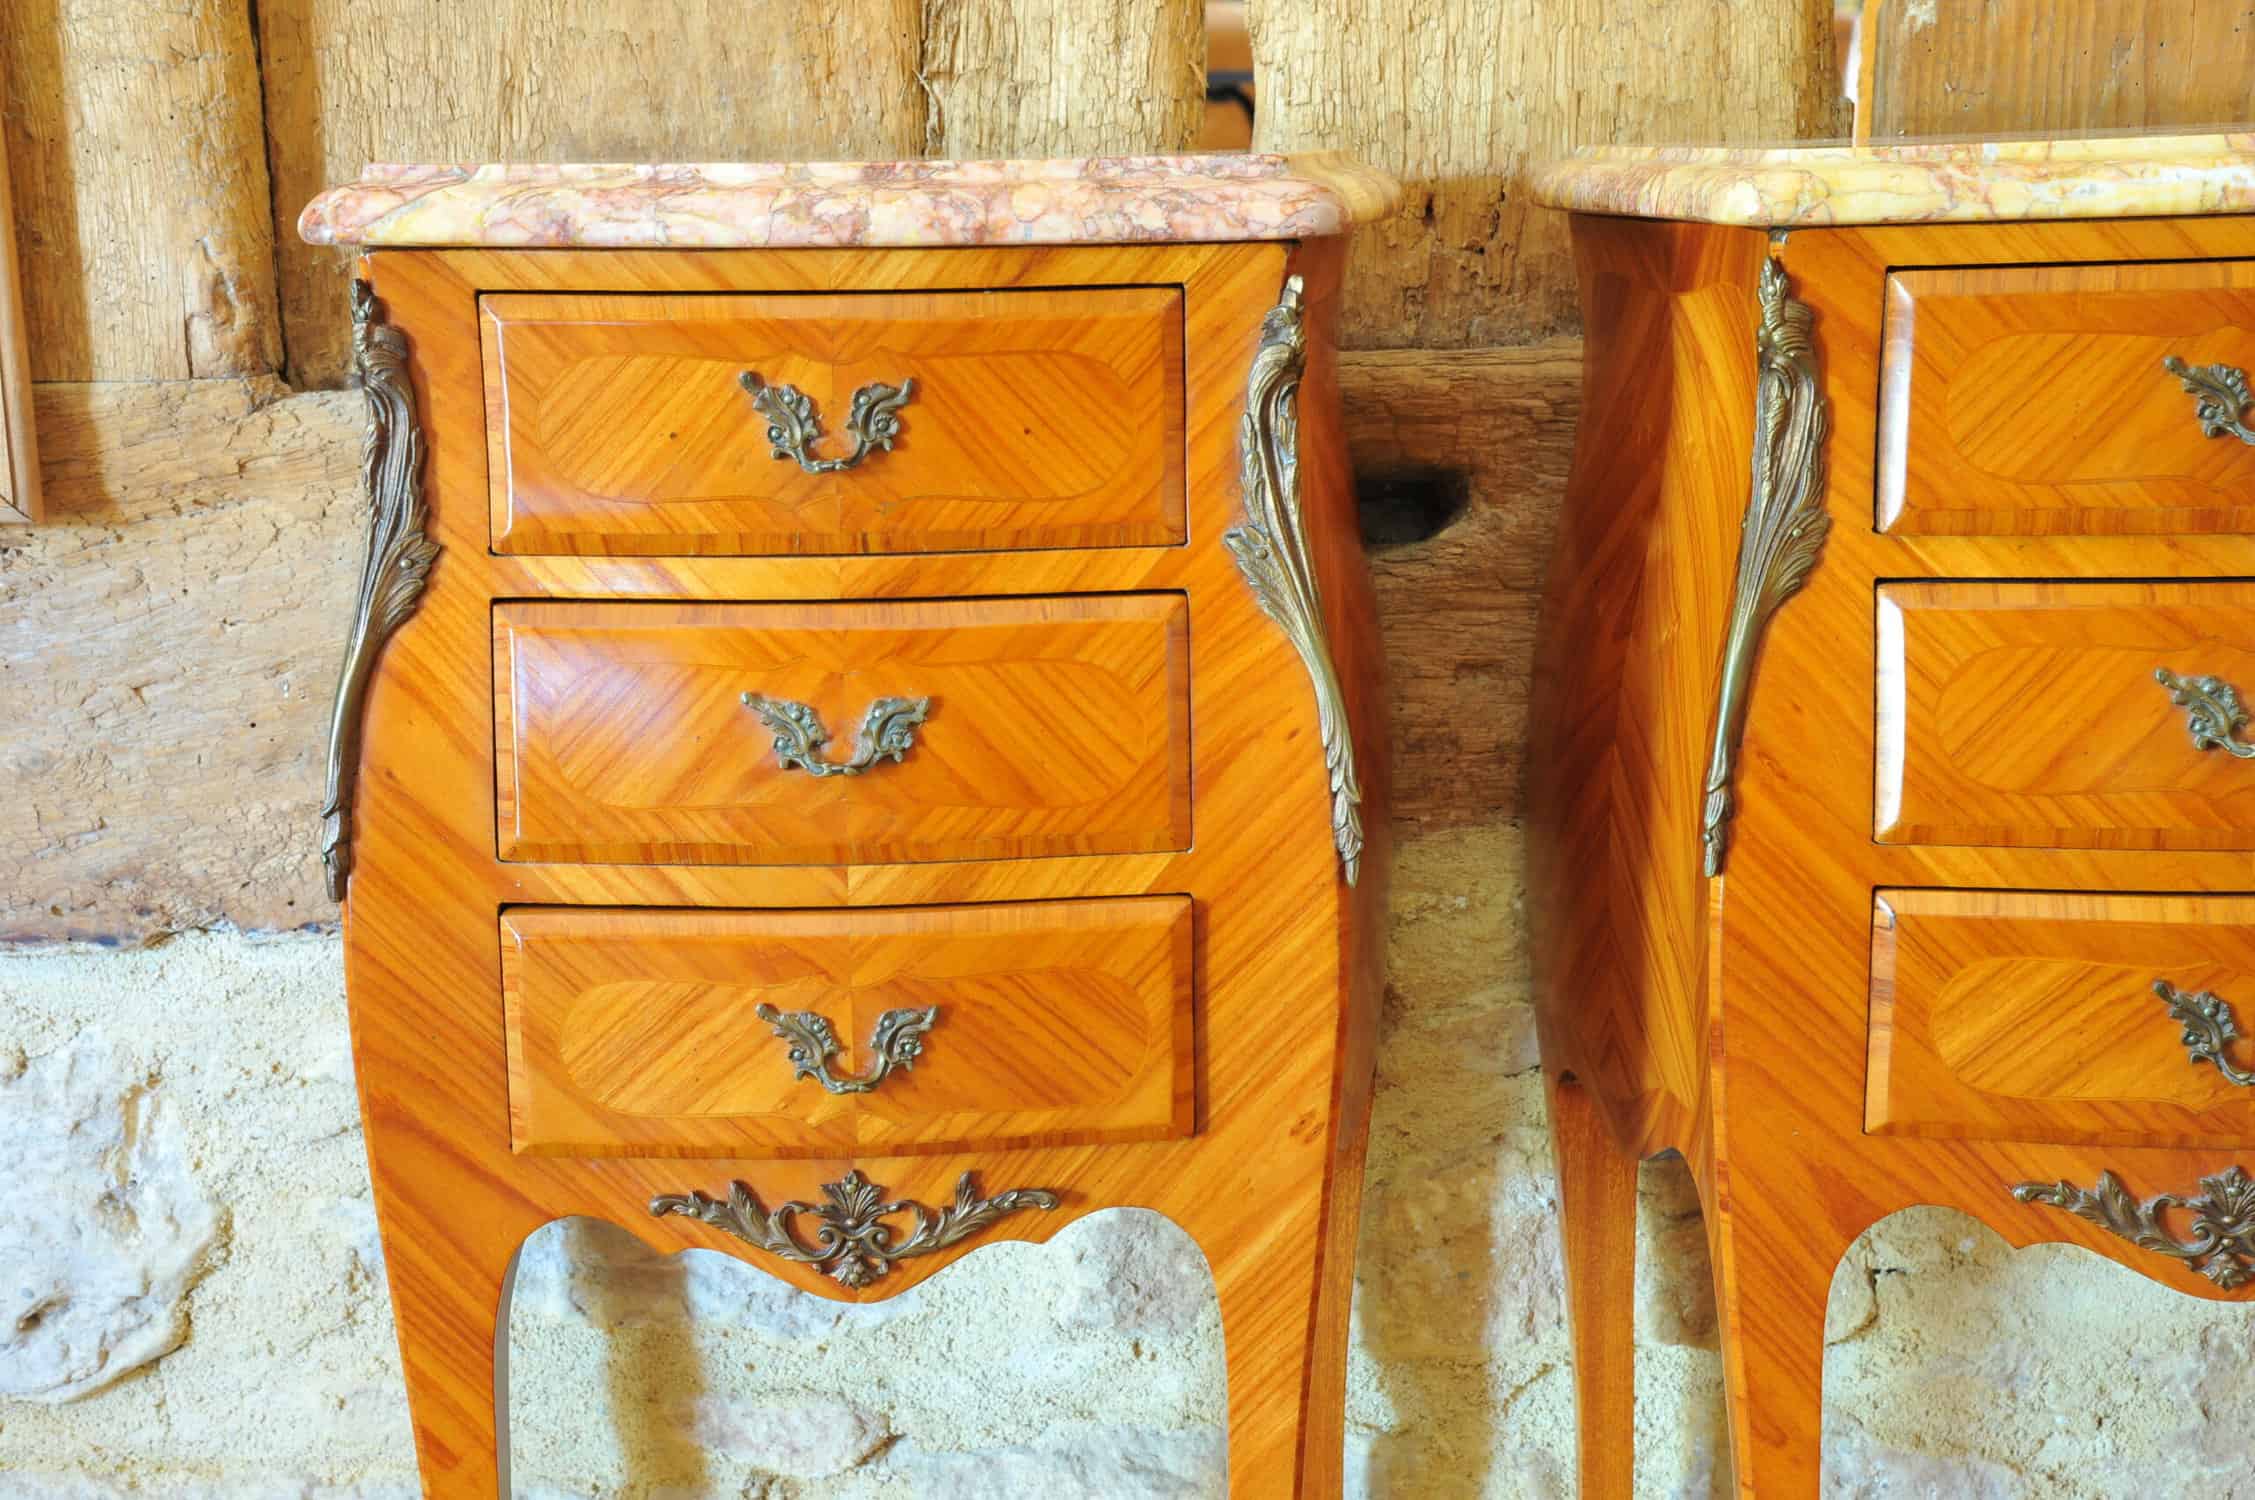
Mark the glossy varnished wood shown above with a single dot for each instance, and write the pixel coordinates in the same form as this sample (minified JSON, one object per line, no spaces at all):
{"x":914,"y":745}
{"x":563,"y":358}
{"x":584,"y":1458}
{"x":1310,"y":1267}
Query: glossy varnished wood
{"x":2028,"y":713}
{"x":2031,"y":1015}
{"x":1059,"y":1022}
{"x":1285,"y":957}
{"x":1054,"y":726}
{"x":2022,"y":400}
{"x":618,"y":425}
{"x":1733,"y":1018}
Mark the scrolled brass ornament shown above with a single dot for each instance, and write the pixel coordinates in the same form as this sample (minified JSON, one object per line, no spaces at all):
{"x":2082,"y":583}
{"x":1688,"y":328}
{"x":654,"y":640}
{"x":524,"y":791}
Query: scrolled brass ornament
{"x":888,"y":730}
{"x":1271,"y":548}
{"x":896,"y":1042}
{"x":852,"y":1243}
{"x":2219,"y":394}
{"x":2222,"y":1220}
{"x":2213,"y":715}
{"x":793,"y":427}
{"x":1783,"y":532}
{"x":2209,"y":1028}
{"x":397,"y":564}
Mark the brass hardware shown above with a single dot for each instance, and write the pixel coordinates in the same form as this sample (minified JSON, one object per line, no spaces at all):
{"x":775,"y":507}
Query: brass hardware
{"x":896,"y":1043}
{"x":2209,"y":1028}
{"x":1783,"y":531}
{"x":888,"y":728}
{"x":397,"y":564}
{"x":2219,"y":395}
{"x":2222,"y":1247}
{"x":853,"y":1244}
{"x":793,"y":428}
{"x":1271,"y":548}
{"x":2213,"y":715}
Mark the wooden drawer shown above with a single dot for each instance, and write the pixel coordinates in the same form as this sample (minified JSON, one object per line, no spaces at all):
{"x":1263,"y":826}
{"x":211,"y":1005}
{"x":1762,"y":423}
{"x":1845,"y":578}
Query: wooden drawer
{"x":640,"y":1033}
{"x":622,"y":425}
{"x":2032,"y":400}
{"x":2029,"y":714}
{"x":2034,"y":1016}
{"x":649,"y":733}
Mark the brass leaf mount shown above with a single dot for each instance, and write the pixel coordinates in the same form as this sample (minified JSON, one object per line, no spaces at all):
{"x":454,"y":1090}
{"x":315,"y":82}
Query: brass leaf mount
{"x":852,"y":1242}
{"x":397,"y":564}
{"x":1783,"y":532}
{"x":2213,"y":715}
{"x":896,"y":1042}
{"x":1271,"y":548}
{"x":2219,"y":397}
{"x":794,"y":427}
{"x":2209,"y":1028}
{"x":888,"y":731}
{"x":2221,"y":1220}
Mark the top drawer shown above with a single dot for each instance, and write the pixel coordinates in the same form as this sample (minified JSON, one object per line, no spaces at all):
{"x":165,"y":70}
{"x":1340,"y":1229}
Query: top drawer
{"x":2032,"y":400}
{"x":629,"y":425}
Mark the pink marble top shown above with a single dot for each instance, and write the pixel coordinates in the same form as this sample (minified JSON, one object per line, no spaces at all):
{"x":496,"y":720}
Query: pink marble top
{"x":1087,"y":200}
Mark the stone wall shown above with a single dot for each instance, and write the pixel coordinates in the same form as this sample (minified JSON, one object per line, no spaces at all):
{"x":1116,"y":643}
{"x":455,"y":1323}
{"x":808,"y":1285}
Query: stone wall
{"x":191,"y":1295}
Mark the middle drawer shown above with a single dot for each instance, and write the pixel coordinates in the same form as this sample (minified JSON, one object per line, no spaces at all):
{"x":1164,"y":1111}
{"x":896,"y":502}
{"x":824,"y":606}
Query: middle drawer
{"x":867,"y":732}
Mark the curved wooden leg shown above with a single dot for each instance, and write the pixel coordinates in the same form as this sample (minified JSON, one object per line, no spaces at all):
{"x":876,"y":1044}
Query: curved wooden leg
{"x":1773,"y":1277}
{"x":1597,"y":1221}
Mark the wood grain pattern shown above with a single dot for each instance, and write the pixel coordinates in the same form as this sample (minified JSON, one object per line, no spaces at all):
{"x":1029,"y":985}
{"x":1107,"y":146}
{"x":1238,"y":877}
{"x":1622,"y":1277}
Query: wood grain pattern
{"x":2032,"y":399}
{"x":2048,"y":67}
{"x":1733,"y":1019}
{"x":141,"y":204}
{"x":1037,"y":419}
{"x":2028,"y":713}
{"x":1057,"y":726}
{"x":1285,"y":957}
{"x":20,"y":495}
{"x":1060,"y":1023}
{"x":2031,"y":1016}
{"x":1041,"y":78}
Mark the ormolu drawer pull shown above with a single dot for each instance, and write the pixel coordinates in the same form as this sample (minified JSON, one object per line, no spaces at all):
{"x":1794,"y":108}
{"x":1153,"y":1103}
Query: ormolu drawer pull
{"x":2213,"y":716}
{"x":889,"y":728}
{"x":2222,"y":1247}
{"x":896,"y":1043}
{"x":2207,"y":1020}
{"x":853,"y":1244}
{"x":873,"y":421}
{"x":2219,"y":394}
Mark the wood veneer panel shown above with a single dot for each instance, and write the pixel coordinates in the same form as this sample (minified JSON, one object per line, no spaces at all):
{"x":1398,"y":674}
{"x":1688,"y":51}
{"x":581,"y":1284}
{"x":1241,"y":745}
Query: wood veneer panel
{"x":2028,"y":714}
{"x":1036,"y":419}
{"x":1056,"y":726}
{"x":633,"y":1032}
{"x":2031,"y":400}
{"x":2032,"y":1016}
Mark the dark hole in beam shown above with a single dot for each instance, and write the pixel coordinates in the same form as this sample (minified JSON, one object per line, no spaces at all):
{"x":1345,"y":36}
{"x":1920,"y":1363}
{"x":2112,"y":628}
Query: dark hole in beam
{"x":1402,"y":507}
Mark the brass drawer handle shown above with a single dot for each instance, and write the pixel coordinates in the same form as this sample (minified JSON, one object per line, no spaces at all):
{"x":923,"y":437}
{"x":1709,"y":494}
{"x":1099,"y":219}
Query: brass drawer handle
{"x":888,"y":728}
{"x":2222,"y":1247}
{"x":852,"y":1243}
{"x":2209,"y":1028}
{"x":2213,"y":716}
{"x":873,"y":421}
{"x":896,"y":1043}
{"x":2219,"y":394}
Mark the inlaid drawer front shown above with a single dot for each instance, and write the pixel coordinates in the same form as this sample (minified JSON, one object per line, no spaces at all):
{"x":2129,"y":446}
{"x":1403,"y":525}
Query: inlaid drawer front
{"x":873,"y":422}
{"x":836,"y":1033}
{"x":2058,"y":1017}
{"x":2065,"y":715}
{"x":842,"y":733}
{"x":2094,"y":399}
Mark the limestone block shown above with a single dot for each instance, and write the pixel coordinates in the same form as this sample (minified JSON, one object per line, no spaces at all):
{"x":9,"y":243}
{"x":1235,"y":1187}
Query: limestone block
{"x":1074,"y":1462}
{"x":1131,"y":1271}
{"x":1675,"y":1284}
{"x":810,"y":1439}
{"x":112,"y":1227}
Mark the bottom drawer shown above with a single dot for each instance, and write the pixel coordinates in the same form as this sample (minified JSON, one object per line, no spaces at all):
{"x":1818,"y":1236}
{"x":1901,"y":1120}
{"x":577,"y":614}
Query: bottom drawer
{"x":847,"y":1033}
{"x":2077,"y":1019}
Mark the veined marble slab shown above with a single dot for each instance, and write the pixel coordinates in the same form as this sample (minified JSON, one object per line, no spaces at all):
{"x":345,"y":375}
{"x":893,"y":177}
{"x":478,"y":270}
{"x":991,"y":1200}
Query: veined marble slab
{"x":2112,"y":176}
{"x":1085,"y":200}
